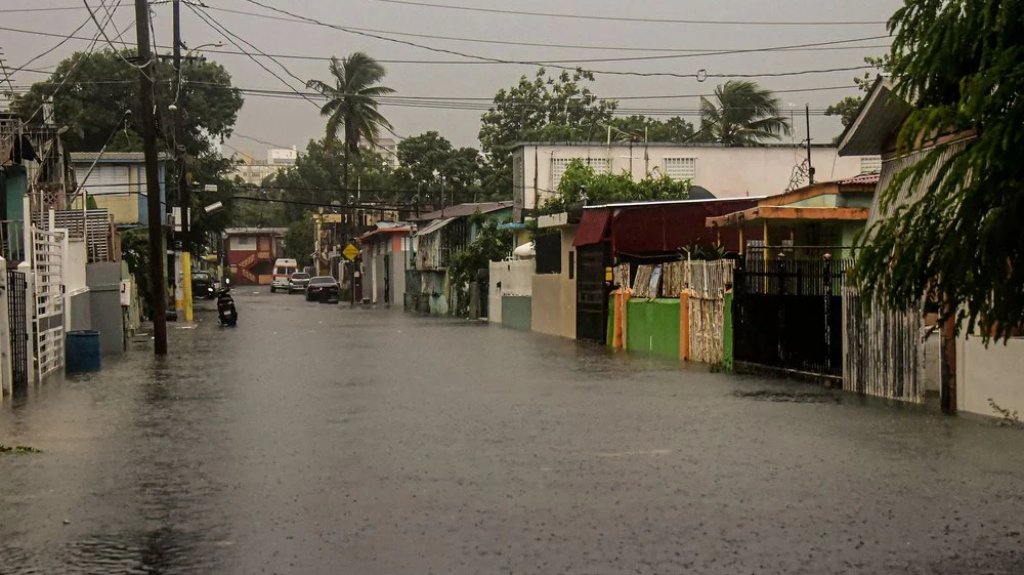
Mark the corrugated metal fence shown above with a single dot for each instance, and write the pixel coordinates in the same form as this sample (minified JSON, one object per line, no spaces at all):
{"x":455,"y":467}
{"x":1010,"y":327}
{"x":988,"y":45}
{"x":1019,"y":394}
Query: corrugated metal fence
{"x":881,"y":350}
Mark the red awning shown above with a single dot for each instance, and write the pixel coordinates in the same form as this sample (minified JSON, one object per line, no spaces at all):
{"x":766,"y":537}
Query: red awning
{"x":593,"y":226}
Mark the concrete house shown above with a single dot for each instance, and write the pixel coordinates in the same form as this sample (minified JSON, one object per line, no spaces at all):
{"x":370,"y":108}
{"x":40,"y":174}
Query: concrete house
{"x":250,"y":254}
{"x":727,"y":172}
{"x":385,"y":252}
{"x":976,"y":375}
{"x":118,"y":183}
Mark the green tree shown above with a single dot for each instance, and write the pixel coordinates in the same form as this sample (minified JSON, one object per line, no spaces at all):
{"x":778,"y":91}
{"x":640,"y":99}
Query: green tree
{"x":490,"y":244}
{"x":351,"y":107}
{"x":848,"y":107}
{"x":299,"y":242}
{"x":431,"y":165}
{"x":98,"y":87}
{"x":644,"y":128}
{"x":581,"y":180}
{"x":545,"y":108}
{"x":959,"y":62}
{"x":742,"y":114}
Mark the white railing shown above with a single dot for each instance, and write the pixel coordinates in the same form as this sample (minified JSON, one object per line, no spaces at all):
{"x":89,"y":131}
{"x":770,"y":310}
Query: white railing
{"x":48,"y":271}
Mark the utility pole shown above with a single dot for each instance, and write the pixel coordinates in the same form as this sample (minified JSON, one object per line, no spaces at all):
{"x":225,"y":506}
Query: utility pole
{"x":184,"y":259}
{"x":156,"y":249}
{"x":810,"y":168}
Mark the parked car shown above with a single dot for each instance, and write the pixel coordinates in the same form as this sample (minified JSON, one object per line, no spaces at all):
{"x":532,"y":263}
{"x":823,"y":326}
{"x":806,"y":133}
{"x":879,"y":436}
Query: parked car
{"x":323,"y":289}
{"x":298,"y":282}
{"x":203,"y":285}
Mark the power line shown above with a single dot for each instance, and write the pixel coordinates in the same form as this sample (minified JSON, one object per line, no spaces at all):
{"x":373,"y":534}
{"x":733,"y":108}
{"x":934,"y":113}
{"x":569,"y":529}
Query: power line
{"x":48,"y":9}
{"x":637,"y":19}
{"x":809,"y":47}
{"x":705,"y":51}
{"x":700,"y":75}
{"x":229,"y":36}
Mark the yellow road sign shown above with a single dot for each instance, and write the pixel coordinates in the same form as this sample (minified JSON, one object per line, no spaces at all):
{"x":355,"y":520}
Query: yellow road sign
{"x":350,"y":252}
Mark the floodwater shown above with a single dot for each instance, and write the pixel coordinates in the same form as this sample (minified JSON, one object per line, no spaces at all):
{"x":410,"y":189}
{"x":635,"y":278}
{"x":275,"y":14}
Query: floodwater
{"x":322,"y":439}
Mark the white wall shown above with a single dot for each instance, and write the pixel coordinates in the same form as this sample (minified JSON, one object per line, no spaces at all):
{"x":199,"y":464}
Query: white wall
{"x":994,"y":372}
{"x":726,"y":172}
{"x":515,"y":277}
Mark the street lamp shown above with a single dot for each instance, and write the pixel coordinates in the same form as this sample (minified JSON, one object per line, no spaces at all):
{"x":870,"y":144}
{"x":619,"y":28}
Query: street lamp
{"x":174,"y":105}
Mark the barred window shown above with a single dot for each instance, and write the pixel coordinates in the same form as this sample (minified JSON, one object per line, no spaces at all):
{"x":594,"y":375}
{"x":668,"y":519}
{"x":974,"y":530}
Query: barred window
{"x":559,"y":165}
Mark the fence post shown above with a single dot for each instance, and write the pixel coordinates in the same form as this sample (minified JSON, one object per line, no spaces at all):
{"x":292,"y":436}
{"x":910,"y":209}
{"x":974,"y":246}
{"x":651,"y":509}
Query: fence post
{"x":827,"y":273}
{"x":6,"y":371}
{"x":30,"y":314}
{"x":782,"y":309}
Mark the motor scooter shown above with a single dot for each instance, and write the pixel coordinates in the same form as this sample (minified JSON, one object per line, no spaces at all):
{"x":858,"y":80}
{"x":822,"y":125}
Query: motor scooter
{"x":227,"y":315}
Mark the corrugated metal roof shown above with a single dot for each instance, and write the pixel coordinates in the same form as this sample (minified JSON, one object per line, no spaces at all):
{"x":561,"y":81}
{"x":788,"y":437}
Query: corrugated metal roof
{"x":463,"y":210}
{"x":862,"y":179}
{"x":255,"y":231}
{"x":434,"y":226}
{"x":880,"y":116}
{"x":675,"y":202}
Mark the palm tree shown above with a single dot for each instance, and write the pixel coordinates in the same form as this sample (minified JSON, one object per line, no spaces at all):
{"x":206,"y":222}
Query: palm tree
{"x":743,"y":115}
{"x":352,"y":103}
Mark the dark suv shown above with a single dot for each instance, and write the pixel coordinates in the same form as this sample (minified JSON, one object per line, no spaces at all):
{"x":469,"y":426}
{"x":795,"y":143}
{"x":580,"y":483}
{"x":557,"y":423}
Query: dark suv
{"x":322,"y":289}
{"x":203,"y":285}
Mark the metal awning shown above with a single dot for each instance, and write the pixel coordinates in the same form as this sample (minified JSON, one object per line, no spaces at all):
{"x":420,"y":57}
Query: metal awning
{"x":435,"y":226}
{"x":593,"y":226}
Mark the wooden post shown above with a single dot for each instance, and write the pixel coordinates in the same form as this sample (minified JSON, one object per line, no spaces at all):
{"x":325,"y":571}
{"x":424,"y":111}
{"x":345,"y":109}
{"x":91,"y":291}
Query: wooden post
{"x":947,"y":383}
{"x":684,"y":326}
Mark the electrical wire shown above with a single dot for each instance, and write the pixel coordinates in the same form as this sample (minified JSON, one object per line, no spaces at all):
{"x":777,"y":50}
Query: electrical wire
{"x":114,"y":49}
{"x":689,"y":52}
{"x":638,"y":19}
{"x":64,"y":40}
{"x":700,"y":75}
{"x":229,"y":36}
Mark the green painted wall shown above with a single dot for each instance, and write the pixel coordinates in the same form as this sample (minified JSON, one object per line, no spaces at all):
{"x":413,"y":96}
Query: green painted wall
{"x":17,"y":184}
{"x":653,"y":327}
{"x":516,"y":311}
{"x":727,"y":342}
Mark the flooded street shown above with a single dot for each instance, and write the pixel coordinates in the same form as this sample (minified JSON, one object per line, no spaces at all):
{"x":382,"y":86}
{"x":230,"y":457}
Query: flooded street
{"x":321,"y":439}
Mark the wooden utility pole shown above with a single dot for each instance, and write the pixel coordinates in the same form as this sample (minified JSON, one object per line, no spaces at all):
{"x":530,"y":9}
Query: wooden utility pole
{"x":184,"y":185}
{"x":158,"y":296}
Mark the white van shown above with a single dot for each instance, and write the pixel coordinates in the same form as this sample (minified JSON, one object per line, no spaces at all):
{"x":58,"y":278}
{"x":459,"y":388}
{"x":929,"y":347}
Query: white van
{"x":283,"y":269}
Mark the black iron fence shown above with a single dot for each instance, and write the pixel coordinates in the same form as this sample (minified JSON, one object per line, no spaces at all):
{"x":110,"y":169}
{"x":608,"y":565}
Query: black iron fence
{"x":17,"y":308}
{"x":788,"y":313}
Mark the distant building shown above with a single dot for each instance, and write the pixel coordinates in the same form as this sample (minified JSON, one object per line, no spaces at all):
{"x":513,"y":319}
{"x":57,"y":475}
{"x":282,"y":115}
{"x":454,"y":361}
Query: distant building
{"x":255,"y":171}
{"x":388,"y":149}
{"x":250,"y":254}
{"x":118,"y":183}
{"x":727,"y":172}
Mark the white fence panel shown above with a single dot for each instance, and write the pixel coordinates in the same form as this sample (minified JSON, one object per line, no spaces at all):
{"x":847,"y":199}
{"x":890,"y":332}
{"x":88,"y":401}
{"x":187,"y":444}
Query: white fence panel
{"x":48,"y":271}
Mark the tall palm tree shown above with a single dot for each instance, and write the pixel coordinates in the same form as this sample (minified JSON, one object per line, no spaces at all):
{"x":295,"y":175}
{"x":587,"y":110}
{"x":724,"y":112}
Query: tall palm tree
{"x":352,"y":103}
{"x":744,"y":114}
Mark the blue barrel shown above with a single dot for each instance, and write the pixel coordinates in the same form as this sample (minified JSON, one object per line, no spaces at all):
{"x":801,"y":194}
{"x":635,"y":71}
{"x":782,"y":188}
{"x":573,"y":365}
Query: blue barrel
{"x":82,"y":351}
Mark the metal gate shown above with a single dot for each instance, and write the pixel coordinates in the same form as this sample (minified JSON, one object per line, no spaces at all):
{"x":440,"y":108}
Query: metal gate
{"x":788,"y":314}
{"x":592,"y":293}
{"x":16,"y":309}
{"x":48,"y":269}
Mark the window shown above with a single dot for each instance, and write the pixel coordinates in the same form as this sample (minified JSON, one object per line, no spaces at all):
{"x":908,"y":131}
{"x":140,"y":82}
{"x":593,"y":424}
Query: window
{"x":559,"y":165}
{"x":243,"y":243}
{"x":572,"y":264}
{"x":870,"y":164}
{"x":681,"y":168}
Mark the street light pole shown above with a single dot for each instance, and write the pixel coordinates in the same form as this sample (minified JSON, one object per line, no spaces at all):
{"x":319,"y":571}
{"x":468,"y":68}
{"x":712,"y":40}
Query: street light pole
{"x":158,"y":294}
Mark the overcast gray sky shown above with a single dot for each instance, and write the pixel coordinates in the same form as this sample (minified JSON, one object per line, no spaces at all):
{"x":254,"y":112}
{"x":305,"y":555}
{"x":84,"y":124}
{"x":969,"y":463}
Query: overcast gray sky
{"x":294,"y":121}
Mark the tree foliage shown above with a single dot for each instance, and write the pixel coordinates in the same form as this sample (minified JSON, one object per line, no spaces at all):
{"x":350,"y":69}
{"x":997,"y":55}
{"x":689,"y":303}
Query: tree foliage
{"x":544,"y":108}
{"x":433,"y":167}
{"x":637,"y":128}
{"x":95,"y":110}
{"x":299,"y":241}
{"x":351,"y":107}
{"x":848,"y":107}
{"x":960,"y":62}
{"x":580,"y":180}
{"x":742,"y":114}
{"x":490,"y":244}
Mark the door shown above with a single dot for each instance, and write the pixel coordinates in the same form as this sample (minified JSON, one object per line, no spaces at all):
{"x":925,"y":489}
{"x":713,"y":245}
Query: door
{"x":592,"y":292}
{"x":387,"y":279}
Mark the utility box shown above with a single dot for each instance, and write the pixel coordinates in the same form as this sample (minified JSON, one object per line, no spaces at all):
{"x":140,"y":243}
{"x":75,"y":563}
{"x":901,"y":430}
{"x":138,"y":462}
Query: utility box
{"x":104,"y":279}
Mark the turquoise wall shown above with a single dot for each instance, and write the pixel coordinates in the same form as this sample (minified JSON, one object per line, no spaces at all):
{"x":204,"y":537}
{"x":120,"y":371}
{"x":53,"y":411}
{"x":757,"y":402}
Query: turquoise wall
{"x":17,"y":184}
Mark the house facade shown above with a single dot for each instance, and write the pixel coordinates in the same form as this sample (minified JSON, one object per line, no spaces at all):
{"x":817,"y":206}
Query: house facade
{"x":384,"y":253}
{"x":727,"y":172}
{"x":117,"y":182}
{"x":250,"y":254}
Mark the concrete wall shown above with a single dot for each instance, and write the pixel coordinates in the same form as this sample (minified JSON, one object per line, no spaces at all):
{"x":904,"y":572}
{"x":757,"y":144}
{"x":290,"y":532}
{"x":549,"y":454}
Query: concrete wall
{"x":554,"y":295}
{"x":78,"y":313}
{"x":516,"y":312}
{"x":726,"y":172}
{"x":993,"y":373}
{"x":510,"y":277}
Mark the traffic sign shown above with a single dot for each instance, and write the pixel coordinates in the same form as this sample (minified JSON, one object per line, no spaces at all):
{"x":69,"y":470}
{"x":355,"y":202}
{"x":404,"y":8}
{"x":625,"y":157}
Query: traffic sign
{"x":350,"y":252}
